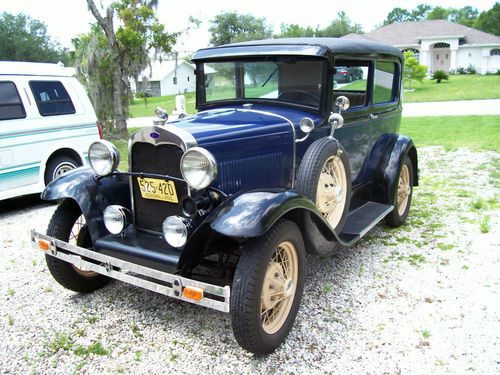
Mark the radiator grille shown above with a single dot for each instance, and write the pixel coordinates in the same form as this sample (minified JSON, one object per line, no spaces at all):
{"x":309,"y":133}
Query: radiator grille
{"x":162,"y":159}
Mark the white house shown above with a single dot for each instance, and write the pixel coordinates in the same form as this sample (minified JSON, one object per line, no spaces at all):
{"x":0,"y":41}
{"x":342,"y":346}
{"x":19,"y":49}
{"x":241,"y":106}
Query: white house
{"x":441,"y":44}
{"x":166,"y":78}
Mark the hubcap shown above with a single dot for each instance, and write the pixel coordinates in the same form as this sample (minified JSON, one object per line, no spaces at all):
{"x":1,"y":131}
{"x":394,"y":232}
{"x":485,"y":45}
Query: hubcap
{"x":331,"y":192}
{"x":404,"y":190}
{"x":62,"y":169}
{"x":278,"y":290}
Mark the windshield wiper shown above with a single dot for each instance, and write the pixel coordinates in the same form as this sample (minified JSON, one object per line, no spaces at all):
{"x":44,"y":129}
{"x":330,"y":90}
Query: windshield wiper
{"x":270,"y":76}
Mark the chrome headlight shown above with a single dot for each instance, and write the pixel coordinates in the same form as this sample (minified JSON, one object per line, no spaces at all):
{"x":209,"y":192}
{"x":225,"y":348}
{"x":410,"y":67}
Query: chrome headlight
{"x":175,"y":231}
{"x":198,"y":167}
{"x":103,"y":157}
{"x":116,"y":218}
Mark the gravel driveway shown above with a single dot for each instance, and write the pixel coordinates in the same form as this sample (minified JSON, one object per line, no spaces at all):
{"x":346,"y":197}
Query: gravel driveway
{"x":420,"y":299}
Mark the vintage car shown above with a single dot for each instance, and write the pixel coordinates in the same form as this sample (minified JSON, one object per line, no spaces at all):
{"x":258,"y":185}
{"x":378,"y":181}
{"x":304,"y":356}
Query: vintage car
{"x":220,"y":208}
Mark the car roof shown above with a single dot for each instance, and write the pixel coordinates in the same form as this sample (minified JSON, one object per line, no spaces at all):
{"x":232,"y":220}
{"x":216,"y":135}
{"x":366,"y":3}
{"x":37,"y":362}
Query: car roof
{"x":34,"y":69}
{"x":298,"y":46}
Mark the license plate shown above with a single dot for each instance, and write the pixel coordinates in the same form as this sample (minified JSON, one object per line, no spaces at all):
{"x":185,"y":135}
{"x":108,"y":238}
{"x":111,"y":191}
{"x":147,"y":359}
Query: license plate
{"x":161,"y":190}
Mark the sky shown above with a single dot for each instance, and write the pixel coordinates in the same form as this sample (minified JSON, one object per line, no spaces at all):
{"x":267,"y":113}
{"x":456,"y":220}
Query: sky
{"x":66,"y":19}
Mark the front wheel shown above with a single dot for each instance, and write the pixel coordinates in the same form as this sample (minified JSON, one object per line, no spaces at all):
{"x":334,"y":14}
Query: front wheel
{"x":68,"y":224}
{"x":267,"y":288}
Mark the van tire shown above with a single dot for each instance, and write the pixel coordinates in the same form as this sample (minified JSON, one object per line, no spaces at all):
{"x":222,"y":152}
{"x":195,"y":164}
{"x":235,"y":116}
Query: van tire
{"x":59,"y":165}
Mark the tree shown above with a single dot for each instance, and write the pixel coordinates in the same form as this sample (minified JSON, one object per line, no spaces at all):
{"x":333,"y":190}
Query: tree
{"x":23,"y":38}
{"x":341,"y":26}
{"x":489,"y":21}
{"x":412,"y":69}
{"x":439,"y":13}
{"x":403,"y":15}
{"x":295,"y":31}
{"x":465,"y":16}
{"x":138,"y":32}
{"x":230,"y":27}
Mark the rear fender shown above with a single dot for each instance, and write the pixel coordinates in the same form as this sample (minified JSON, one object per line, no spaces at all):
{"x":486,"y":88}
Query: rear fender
{"x":91,"y":195}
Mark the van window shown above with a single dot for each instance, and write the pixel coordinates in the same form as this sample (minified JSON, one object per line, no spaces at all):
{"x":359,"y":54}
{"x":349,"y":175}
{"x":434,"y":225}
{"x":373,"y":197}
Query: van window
{"x":385,"y":74}
{"x":11,"y":106}
{"x":351,"y":80}
{"x":51,"y":98}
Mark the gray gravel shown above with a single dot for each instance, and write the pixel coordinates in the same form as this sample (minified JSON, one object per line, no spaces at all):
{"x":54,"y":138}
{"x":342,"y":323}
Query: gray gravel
{"x":421,"y":299}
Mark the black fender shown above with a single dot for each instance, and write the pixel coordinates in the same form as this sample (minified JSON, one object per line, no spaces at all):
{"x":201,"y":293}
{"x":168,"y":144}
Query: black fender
{"x":251,"y":214}
{"x":91,"y":195}
{"x":384,"y":162}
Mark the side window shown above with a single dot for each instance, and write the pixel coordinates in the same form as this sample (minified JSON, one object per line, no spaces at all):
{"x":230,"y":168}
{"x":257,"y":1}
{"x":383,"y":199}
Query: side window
{"x":11,"y":106}
{"x":350,"y":79}
{"x":51,"y":98}
{"x":385,"y":74}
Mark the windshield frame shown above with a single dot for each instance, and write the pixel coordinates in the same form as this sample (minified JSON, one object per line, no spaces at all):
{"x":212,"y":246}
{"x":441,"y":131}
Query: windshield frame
{"x":203,"y":104}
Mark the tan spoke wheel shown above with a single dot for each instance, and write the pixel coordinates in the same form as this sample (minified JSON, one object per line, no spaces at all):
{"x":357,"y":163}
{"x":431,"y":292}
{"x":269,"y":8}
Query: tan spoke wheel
{"x":332,"y":190}
{"x":278,"y":291}
{"x":73,"y":239}
{"x":404,"y":190}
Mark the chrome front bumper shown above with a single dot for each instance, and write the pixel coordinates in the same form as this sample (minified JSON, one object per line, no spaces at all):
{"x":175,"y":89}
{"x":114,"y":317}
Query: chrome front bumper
{"x":214,"y":296}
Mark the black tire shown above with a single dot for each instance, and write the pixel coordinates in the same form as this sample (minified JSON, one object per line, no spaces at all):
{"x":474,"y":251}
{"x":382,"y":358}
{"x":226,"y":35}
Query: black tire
{"x":60,"y":226}
{"x":395,"y":218}
{"x":248,"y":282}
{"x":310,"y":170}
{"x":58,"y":166}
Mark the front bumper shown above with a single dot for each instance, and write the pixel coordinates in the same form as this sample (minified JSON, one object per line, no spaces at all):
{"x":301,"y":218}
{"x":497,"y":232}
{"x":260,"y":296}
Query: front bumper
{"x":214,"y":296}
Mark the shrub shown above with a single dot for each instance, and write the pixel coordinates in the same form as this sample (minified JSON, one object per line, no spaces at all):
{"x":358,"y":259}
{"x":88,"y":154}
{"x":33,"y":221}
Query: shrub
{"x":439,"y":75}
{"x":471,"y":69}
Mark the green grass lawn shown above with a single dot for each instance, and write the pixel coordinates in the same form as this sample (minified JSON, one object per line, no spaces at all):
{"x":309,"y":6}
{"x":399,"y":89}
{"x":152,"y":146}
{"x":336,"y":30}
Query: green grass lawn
{"x":146,"y":107}
{"x":451,"y":132}
{"x":458,"y":87}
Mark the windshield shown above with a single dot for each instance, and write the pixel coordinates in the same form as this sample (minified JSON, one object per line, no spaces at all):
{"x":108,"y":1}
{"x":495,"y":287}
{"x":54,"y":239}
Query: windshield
{"x":283,"y":79}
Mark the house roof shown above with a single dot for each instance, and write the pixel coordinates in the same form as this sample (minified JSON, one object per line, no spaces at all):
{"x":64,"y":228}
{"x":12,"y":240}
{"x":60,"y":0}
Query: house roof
{"x":410,"y":33}
{"x":160,"y":69}
{"x":35,"y":69}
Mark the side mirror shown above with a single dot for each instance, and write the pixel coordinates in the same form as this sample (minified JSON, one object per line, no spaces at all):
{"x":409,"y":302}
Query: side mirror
{"x":342,"y":102}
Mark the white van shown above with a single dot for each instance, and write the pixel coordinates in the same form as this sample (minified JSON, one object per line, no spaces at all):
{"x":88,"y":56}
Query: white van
{"x":46,"y":126}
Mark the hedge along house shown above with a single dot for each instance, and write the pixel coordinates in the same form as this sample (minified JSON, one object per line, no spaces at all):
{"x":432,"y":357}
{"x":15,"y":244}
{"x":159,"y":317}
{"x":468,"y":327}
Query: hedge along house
{"x":441,"y":44}
{"x":166,"y":78}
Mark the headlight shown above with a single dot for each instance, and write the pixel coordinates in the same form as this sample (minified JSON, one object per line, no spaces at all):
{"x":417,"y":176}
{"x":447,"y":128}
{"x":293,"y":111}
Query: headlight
{"x":115,"y":218}
{"x":103,"y":157}
{"x":175,"y":231}
{"x":198,"y":167}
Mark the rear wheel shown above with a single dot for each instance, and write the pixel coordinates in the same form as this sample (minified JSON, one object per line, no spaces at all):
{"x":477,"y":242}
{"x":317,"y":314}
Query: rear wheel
{"x":403,"y":194}
{"x":267,"y":288}
{"x":59,"y":166}
{"x":68,"y":224}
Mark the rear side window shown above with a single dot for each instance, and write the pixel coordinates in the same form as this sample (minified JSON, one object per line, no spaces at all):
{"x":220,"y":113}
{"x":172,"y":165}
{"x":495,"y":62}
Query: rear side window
{"x":384,"y":88}
{"x":11,"y":106}
{"x":350,"y":79}
{"x":51,"y":97}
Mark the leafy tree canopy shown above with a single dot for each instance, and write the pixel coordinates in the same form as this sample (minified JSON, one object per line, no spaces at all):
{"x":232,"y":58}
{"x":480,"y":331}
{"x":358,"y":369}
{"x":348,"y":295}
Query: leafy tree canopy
{"x":229,"y":27}
{"x":340,"y":26}
{"x":489,"y":21}
{"x":23,"y":38}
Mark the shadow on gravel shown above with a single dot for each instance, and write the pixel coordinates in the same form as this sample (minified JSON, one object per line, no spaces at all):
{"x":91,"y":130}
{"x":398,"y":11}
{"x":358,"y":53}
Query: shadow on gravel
{"x":13,"y":205}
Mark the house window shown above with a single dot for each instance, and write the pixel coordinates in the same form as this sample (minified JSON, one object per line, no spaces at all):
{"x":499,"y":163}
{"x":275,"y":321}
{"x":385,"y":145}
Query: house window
{"x":437,"y":56}
{"x":416,"y":52}
{"x":441,"y":45}
{"x":51,"y":98}
{"x":11,"y":106}
{"x":188,"y":78}
{"x":174,"y":80}
{"x":495,"y":52}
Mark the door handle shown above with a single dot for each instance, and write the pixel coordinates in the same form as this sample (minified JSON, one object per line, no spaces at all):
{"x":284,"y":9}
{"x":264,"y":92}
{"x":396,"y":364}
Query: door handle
{"x":373,"y":117}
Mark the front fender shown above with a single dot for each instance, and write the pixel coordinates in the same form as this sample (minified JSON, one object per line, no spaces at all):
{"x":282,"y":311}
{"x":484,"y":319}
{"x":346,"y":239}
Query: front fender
{"x":92,"y":196}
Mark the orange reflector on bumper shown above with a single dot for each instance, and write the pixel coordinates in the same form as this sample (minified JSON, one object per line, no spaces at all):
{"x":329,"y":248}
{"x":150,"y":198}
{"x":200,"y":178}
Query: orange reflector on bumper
{"x":193,"y":292}
{"x":43,"y":245}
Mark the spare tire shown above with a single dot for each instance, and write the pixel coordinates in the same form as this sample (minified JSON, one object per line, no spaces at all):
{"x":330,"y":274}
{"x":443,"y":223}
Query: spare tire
{"x":325,"y":177}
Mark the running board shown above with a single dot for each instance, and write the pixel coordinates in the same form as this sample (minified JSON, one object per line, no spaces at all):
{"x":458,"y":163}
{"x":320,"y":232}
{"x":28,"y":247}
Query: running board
{"x":361,"y":220}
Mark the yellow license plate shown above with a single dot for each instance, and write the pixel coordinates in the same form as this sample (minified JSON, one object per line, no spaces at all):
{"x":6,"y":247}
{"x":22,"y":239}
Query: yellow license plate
{"x":154,"y":188}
